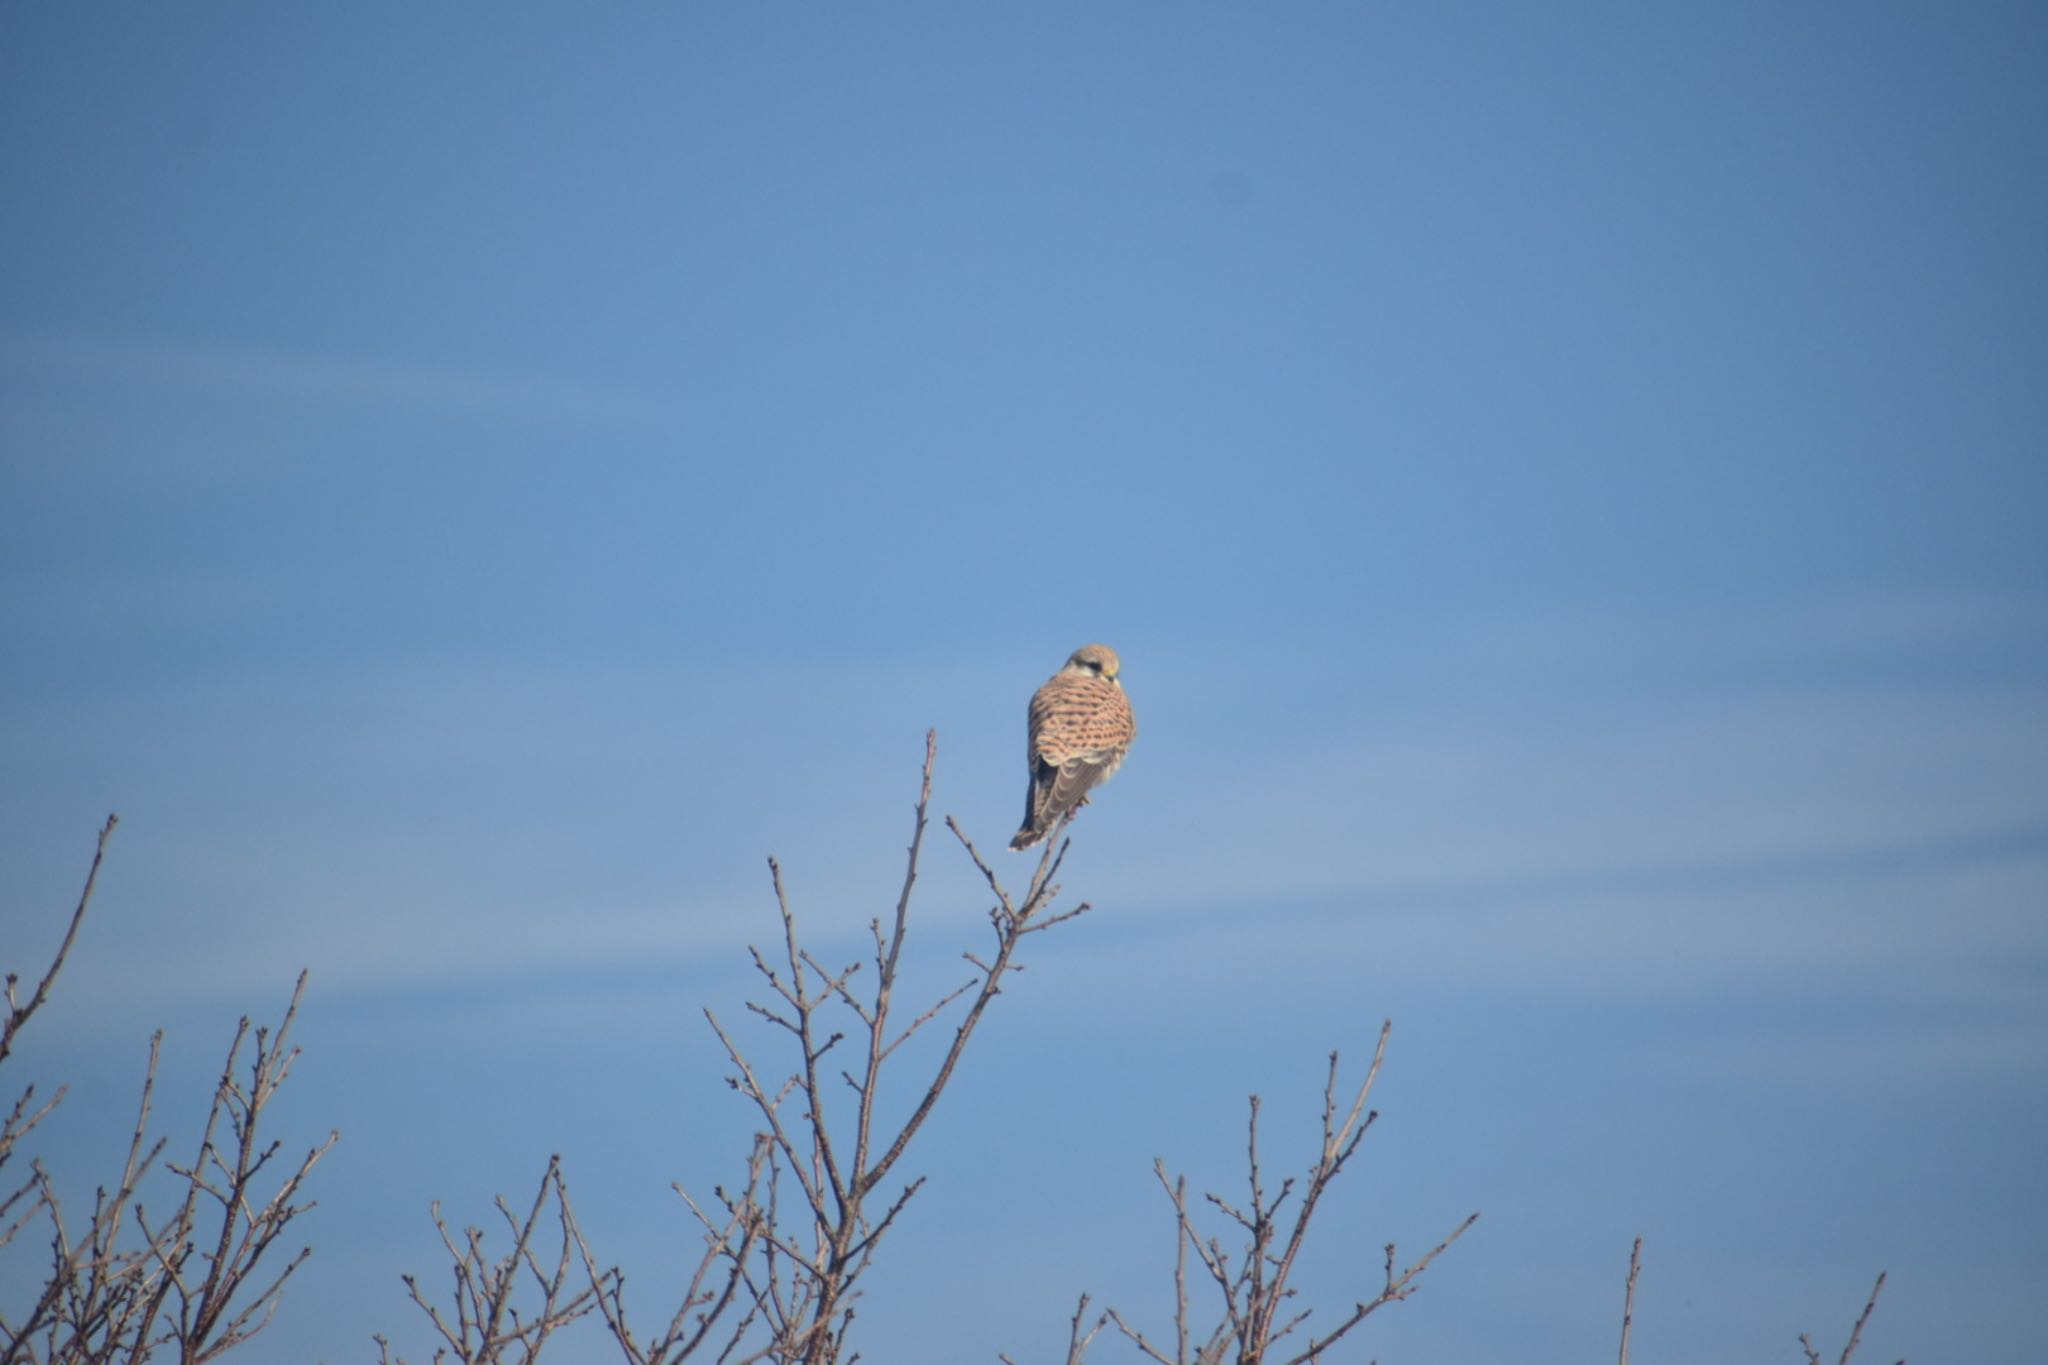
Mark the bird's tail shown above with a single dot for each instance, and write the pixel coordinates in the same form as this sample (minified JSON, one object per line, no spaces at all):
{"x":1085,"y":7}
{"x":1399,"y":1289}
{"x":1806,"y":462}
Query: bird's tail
{"x":1033,"y":829}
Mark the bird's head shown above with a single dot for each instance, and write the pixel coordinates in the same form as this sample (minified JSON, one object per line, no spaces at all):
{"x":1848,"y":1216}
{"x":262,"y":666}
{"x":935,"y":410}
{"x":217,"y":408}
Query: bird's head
{"x":1099,"y":660}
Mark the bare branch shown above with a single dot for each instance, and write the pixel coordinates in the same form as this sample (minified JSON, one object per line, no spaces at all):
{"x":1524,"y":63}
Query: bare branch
{"x":1628,"y":1302}
{"x":1855,"y":1333}
{"x":1138,"y":1339}
{"x":18,"y":1013}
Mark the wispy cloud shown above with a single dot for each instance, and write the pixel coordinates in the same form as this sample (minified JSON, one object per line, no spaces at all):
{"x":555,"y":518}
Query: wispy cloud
{"x":415,"y":824}
{"x":1704,"y":789}
{"x":411,"y":824}
{"x":191,"y":368}
{"x":1598,"y":747}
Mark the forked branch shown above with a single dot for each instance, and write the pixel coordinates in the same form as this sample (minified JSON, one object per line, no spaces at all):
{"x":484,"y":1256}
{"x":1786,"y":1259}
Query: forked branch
{"x":1855,"y":1333}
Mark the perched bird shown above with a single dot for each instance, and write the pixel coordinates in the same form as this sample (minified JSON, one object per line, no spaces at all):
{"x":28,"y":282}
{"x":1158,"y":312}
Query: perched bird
{"x":1081,"y":728}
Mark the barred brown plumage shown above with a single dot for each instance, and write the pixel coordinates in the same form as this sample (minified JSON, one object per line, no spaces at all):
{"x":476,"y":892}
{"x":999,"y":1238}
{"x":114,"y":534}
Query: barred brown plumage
{"x":1081,"y":726}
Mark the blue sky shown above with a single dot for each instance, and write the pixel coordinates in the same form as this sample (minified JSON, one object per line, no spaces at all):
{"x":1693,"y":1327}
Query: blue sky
{"x":1569,"y":485}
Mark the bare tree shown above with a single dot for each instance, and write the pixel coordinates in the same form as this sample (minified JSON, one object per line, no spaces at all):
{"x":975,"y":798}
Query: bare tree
{"x":123,"y":1286}
{"x":797,"y":1240}
{"x":777,"y":1277}
{"x":1254,"y":1282}
{"x":784,"y":1252}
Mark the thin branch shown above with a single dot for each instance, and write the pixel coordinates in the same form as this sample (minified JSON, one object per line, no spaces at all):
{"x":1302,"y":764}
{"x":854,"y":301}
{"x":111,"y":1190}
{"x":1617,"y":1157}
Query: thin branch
{"x":1856,"y":1333}
{"x":1138,"y":1339}
{"x":17,"y":1013}
{"x":1628,"y":1302}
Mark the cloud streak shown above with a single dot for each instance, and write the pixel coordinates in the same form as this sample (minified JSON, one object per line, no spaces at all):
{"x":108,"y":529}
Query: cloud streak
{"x":240,"y":375}
{"x":413,"y":825}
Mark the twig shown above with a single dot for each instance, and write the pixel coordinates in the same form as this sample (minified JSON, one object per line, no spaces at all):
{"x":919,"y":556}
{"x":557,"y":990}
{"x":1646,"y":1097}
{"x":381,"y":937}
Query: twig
{"x":1628,"y":1302}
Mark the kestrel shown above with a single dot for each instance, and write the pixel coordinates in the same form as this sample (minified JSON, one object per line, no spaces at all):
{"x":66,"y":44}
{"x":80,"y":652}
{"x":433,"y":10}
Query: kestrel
{"x":1081,"y":728}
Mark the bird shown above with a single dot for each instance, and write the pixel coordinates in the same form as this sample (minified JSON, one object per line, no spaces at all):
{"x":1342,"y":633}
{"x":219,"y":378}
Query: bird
{"x":1081,"y":728}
